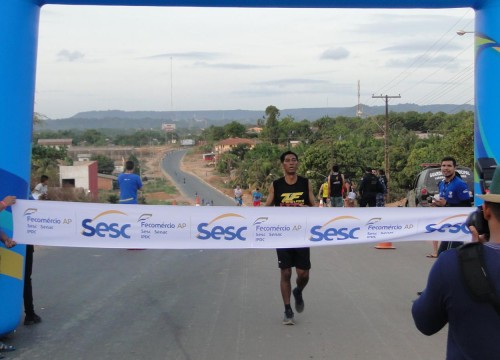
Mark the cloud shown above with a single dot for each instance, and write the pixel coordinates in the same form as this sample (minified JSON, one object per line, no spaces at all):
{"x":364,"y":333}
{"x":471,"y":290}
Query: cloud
{"x":423,"y":61}
{"x":70,"y":56}
{"x":292,"y":82}
{"x":411,"y":23}
{"x":421,"y":47}
{"x":335,"y":53}
{"x":229,"y":66}
{"x":195,"y":55}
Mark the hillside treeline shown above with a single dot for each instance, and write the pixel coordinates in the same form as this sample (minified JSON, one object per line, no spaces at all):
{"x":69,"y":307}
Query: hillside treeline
{"x":352,"y":143}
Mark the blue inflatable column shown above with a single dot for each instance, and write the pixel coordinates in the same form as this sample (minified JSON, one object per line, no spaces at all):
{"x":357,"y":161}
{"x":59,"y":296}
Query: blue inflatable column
{"x":487,"y":117}
{"x":18,"y":38}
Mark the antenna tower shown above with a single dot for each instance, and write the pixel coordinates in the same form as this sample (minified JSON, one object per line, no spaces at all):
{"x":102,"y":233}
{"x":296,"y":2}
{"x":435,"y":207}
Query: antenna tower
{"x":359,"y":109}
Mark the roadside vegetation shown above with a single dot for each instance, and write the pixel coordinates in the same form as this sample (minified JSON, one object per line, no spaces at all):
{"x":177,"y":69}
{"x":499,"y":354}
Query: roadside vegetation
{"x":353,"y":143}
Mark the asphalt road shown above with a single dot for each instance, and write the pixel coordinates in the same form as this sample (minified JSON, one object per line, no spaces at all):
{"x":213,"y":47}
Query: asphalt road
{"x":190,"y":185}
{"x":225,"y":304}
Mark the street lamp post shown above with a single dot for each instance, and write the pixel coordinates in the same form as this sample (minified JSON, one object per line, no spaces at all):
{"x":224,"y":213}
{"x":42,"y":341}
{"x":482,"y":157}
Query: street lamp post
{"x":463,"y":32}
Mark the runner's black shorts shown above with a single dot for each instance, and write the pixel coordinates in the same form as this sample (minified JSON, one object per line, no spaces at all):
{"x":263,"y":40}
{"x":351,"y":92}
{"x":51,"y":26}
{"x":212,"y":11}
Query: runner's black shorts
{"x":299,"y":258}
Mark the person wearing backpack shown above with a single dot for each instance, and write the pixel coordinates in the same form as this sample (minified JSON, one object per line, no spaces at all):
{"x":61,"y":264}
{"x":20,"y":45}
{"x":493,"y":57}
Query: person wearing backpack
{"x":381,"y":195}
{"x":335,"y":187}
{"x":450,"y":297}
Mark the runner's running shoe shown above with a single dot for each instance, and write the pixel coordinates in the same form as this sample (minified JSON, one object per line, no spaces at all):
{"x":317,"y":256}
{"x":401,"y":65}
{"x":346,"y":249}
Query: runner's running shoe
{"x":288,"y":319}
{"x":299,"y":301}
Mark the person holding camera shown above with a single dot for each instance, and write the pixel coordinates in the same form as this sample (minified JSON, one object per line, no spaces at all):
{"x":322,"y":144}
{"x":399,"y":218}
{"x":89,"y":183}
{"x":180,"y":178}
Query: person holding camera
{"x":450,"y":297}
{"x":453,"y":192}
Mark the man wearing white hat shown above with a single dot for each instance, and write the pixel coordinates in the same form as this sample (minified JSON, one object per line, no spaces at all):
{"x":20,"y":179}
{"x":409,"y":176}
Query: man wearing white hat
{"x":474,"y":326}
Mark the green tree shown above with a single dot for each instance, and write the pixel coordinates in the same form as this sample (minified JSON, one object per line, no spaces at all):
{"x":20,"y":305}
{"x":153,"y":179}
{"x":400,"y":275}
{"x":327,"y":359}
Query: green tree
{"x":105,"y":165}
{"x":43,"y":157}
{"x":226,"y":163}
{"x":93,"y":137}
{"x":271,"y":129}
{"x":234,"y":129}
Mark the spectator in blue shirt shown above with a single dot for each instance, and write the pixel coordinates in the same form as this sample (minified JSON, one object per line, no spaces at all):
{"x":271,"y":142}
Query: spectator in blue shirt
{"x":129,"y":184}
{"x":454,"y":192}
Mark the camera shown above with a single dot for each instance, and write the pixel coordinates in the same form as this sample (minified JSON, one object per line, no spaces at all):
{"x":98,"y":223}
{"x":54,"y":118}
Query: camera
{"x":485,"y":169}
{"x":476,"y":219}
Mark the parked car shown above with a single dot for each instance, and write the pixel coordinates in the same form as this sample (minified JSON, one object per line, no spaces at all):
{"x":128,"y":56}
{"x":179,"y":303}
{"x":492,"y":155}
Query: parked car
{"x":425,"y":185}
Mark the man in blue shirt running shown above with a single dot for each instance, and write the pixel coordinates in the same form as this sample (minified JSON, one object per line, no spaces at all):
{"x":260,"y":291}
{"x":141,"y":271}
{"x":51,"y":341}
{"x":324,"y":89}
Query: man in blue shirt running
{"x":129,"y":183}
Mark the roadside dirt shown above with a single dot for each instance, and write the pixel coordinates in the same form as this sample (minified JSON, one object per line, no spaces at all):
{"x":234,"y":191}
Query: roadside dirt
{"x":193,"y":162}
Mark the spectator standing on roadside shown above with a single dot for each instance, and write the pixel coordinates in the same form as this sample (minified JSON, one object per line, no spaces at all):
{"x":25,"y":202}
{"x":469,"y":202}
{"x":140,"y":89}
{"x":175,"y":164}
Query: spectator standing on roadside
{"x":129,"y":183}
{"x":256,"y":197}
{"x":381,"y":195}
{"x":473,"y":325}
{"x":30,"y":317}
{"x":292,"y":191}
{"x":323,"y":192}
{"x":453,"y":192}
{"x":238,"y":196}
{"x":41,"y":190}
{"x":335,"y":185}
{"x":368,"y":189}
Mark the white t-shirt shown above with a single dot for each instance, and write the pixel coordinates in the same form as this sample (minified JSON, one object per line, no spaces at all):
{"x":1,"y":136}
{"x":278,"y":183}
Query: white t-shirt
{"x":39,"y":190}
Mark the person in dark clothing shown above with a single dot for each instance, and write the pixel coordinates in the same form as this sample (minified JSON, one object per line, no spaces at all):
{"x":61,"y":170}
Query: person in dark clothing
{"x":382,"y":195}
{"x":292,"y":191}
{"x":368,"y":189}
{"x":30,"y":316}
{"x":473,"y":326}
{"x":335,"y":187}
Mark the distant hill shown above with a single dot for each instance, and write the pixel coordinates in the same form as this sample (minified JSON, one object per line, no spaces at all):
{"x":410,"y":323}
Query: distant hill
{"x":118,"y":119}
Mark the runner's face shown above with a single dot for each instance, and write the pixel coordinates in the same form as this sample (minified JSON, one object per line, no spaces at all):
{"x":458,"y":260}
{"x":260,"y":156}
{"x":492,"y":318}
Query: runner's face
{"x":290,"y":164}
{"x":447,"y":169}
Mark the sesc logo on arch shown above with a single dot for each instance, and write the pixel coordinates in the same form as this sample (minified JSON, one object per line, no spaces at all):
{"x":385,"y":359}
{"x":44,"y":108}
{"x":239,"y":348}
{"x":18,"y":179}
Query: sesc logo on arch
{"x":104,"y":225}
{"x":223,"y":227}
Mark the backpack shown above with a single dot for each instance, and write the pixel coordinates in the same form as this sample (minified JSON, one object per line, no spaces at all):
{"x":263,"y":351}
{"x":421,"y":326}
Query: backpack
{"x":474,"y":274}
{"x":381,"y":187}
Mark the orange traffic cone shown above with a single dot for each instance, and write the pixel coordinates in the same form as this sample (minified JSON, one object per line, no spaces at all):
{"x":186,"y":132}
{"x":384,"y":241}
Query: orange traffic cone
{"x":385,"y":246}
{"x":197,"y":200}
{"x":174,"y":202}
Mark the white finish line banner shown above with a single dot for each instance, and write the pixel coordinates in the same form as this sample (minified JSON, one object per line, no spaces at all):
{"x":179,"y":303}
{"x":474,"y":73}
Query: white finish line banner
{"x":54,"y":223}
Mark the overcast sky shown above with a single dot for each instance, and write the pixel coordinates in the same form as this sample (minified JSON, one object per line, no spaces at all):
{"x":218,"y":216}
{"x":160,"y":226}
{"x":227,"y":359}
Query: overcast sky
{"x":162,"y":59}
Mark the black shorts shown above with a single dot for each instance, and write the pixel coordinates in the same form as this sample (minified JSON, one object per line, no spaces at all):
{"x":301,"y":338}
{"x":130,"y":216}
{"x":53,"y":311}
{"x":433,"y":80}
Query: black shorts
{"x":299,"y":258}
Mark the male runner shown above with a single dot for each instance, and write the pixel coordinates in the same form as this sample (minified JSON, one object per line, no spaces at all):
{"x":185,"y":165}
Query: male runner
{"x":292,"y":191}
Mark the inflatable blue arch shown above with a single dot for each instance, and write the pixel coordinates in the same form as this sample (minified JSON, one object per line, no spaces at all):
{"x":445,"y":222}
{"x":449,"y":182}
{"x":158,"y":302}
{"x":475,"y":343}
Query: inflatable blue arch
{"x":19,"y":21}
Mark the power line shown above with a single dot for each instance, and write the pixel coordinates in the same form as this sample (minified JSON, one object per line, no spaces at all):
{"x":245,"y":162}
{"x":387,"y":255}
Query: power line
{"x":416,"y":64}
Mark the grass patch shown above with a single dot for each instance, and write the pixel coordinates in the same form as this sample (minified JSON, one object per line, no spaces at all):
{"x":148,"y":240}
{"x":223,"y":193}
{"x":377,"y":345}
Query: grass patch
{"x":159,"y":185}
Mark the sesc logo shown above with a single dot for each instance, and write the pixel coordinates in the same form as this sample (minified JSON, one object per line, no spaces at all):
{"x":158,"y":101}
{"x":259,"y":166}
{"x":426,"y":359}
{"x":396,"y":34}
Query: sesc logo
{"x":104,"y":229}
{"x":325,"y":232}
{"x":209,"y":231}
{"x":447,"y":225}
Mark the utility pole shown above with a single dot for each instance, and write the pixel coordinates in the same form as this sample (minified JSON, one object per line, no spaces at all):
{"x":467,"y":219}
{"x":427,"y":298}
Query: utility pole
{"x":386,"y":135}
